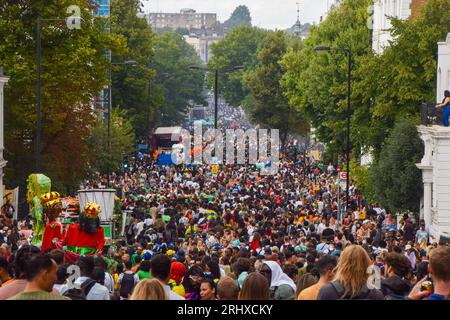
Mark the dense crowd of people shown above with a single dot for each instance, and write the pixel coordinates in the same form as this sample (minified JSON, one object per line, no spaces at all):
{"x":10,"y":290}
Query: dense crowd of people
{"x":194,"y":235}
{"x":236,"y":235}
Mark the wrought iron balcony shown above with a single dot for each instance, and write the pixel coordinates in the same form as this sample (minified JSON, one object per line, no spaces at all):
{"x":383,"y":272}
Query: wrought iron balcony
{"x":430,"y":115}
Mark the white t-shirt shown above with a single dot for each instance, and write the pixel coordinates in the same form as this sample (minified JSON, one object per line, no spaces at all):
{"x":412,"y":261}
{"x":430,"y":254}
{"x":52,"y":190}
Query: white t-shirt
{"x":148,"y":222}
{"x":109,"y":282}
{"x":139,"y":227}
{"x":136,"y":277}
{"x":320,"y":206}
{"x":97,"y":292}
{"x":320,"y":228}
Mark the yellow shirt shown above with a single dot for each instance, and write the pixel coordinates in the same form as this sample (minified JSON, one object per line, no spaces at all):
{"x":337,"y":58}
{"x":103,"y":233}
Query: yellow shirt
{"x":116,"y":281}
{"x":310,"y":293}
{"x":178,"y":289}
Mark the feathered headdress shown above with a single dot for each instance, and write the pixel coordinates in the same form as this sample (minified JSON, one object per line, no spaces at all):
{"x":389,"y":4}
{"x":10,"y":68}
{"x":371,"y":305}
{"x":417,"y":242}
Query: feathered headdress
{"x":50,"y":199}
{"x":91,"y":210}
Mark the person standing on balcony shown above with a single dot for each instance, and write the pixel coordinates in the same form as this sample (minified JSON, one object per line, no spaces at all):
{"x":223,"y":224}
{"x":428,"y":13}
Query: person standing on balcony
{"x":446,"y":107}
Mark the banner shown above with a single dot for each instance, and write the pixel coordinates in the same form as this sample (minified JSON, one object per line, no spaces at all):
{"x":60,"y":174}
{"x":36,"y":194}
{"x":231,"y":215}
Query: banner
{"x":12,"y":195}
{"x":165,"y":160}
{"x":108,"y":230}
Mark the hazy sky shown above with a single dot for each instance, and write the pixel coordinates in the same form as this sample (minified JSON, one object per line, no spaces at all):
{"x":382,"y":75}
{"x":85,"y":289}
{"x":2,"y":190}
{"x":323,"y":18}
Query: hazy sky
{"x":269,"y":14}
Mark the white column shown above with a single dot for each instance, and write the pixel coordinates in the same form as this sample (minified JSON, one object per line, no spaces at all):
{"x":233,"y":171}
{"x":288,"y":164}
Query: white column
{"x":427,"y":176}
{"x":427,"y":182}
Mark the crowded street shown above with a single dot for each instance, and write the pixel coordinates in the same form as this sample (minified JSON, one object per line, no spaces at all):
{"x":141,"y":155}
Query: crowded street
{"x":225,"y":151}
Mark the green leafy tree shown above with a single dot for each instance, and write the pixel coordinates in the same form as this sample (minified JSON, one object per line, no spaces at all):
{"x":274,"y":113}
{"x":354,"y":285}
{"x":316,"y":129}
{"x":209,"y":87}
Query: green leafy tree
{"x":176,"y":82}
{"x":396,"y":180}
{"x":316,"y":83}
{"x":395,"y":83}
{"x":131,"y":84}
{"x":122,"y":142}
{"x":269,"y":107}
{"x":240,"y":16}
{"x":73,"y":73}
{"x":239,"y":48}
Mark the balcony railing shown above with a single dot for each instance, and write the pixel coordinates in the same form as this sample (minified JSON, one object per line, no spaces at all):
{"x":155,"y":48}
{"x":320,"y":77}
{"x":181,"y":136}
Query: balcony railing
{"x":430,"y":115}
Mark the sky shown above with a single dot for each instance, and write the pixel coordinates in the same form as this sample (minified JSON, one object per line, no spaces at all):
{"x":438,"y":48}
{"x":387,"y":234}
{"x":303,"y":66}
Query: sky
{"x":267,"y":14}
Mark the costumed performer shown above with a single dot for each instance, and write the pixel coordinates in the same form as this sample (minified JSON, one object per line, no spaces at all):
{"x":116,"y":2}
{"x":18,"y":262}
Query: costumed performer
{"x":51,"y":202}
{"x":86,"y":237}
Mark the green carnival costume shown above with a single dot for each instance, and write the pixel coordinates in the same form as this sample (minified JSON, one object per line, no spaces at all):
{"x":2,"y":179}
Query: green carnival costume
{"x":37,"y":186}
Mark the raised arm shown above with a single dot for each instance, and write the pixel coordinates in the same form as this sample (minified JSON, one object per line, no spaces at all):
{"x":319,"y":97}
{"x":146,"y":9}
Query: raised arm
{"x":446,"y":101}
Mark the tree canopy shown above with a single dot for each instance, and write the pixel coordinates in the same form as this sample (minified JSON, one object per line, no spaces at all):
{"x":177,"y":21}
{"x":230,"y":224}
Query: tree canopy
{"x":131,"y":84}
{"x":239,"y":48}
{"x":176,"y":82}
{"x":385,"y":88}
{"x":74,"y":71}
{"x":240,"y":16}
{"x":268,"y":106}
{"x":316,"y":82}
{"x":396,"y":180}
{"x":103,"y":159}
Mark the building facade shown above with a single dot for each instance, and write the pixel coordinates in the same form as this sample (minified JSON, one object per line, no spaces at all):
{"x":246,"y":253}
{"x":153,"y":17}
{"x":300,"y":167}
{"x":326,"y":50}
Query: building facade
{"x":202,"y":45}
{"x":383,"y":11}
{"x":443,"y":70}
{"x":186,"y":19}
{"x":435,"y":164}
{"x":3,"y":81}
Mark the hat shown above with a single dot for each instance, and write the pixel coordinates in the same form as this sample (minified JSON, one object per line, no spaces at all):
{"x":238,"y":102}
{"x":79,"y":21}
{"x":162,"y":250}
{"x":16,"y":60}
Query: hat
{"x":49,"y":199}
{"x":177,"y":271}
{"x":92,"y":210}
{"x":170,"y":252}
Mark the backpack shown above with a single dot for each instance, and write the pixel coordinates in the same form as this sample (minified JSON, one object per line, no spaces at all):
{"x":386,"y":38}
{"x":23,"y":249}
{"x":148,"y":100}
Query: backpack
{"x":80,"y":294}
{"x":362,"y":294}
{"x":127,"y":285}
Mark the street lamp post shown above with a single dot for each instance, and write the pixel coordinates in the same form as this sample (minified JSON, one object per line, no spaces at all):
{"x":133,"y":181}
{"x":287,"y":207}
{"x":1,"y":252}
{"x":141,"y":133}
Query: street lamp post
{"x":216,"y":87}
{"x":349,"y":57}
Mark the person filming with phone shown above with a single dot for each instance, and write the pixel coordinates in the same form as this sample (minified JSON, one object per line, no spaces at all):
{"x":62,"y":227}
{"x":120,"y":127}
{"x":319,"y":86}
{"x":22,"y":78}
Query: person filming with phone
{"x":439,"y":269}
